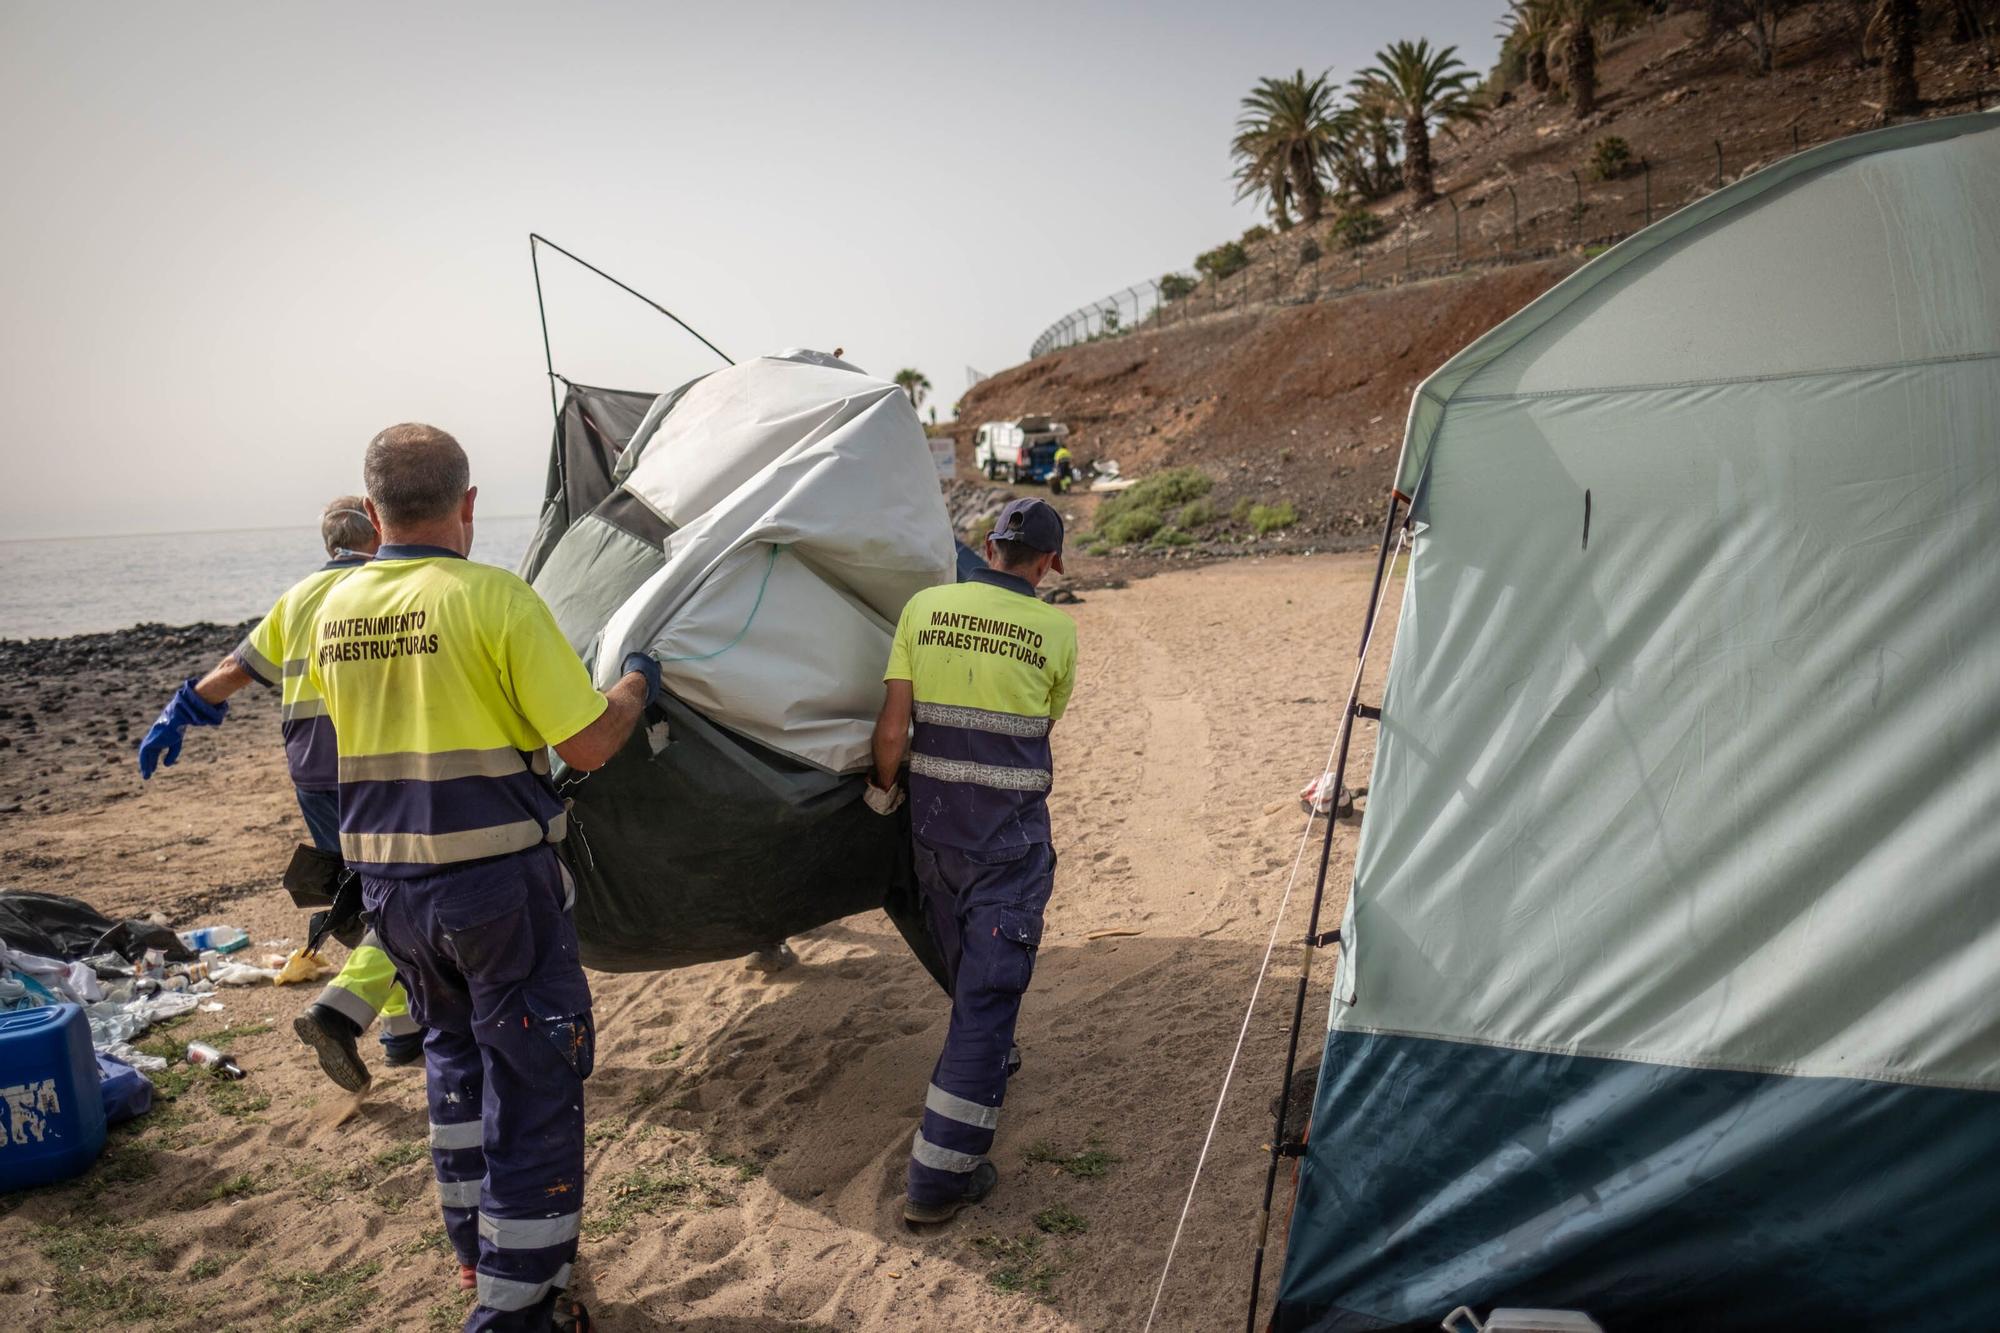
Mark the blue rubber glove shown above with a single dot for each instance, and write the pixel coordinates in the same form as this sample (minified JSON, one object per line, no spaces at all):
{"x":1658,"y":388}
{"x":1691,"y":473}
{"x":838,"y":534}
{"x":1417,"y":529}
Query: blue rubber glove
{"x":644,"y":664}
{"x":186,"y":709}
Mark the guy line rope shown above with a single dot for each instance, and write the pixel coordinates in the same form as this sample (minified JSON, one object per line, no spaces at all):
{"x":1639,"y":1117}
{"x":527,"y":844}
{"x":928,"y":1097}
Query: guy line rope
{"x":1270,"y":945}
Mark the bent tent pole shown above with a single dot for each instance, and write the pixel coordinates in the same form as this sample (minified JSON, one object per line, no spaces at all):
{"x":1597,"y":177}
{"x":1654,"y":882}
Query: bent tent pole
{"x":548,"y":358}
{"x":1313,"y":938}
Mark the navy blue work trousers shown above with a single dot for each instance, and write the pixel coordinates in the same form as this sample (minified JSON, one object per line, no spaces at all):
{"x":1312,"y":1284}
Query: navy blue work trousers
{"x":322,"y":812}
{"x":985,"y":911}
{"x":488,"y":953}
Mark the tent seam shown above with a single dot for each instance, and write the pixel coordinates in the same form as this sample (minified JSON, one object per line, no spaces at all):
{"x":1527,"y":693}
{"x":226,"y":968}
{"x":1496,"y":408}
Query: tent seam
{"x":1956,"y":358}
{"x":1634,"y":1057}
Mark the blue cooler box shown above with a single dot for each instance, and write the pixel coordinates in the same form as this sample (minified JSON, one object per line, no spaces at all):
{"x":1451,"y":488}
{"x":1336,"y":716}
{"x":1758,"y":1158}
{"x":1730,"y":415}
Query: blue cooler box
{"x":51,"y":1109}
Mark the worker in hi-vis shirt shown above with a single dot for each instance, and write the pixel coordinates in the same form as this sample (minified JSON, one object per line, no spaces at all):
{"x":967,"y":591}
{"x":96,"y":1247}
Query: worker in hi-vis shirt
{"x":274,"y":655}
{"x":447,"y":682}
{"x":983,"y":669}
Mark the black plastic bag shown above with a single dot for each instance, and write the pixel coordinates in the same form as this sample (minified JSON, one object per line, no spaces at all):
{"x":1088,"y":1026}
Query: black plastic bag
{"x":68,"y":928}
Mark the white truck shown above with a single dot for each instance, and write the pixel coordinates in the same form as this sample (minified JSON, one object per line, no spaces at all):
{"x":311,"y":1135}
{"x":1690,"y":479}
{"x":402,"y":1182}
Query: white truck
{"x":1020,"y":450}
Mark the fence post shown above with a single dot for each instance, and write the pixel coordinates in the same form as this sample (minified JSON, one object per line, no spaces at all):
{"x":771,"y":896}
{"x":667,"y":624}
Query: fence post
{"x":1647,"y":167}
{"x":1457,"y":254}
{"x":1578,"y":182}
{"x":1517,"y":215}
{"x":1718,"y":164}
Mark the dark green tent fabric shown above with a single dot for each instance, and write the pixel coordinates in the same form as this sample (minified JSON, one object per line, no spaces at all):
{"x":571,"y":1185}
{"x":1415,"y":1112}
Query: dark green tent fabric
{"x":694,"y":844}
{"x":595,"y":426}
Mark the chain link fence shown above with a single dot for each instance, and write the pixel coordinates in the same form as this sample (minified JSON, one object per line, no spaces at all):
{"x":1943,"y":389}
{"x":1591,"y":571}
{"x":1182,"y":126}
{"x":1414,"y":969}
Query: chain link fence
{"x":1504,"y":217}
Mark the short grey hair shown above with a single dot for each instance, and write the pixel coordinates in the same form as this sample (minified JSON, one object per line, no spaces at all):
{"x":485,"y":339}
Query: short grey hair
{"x":415,"y":473}
{"x":344,"y":526}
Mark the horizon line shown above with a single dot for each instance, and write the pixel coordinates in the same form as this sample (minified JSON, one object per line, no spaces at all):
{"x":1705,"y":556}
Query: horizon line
{"x":185,"y":532}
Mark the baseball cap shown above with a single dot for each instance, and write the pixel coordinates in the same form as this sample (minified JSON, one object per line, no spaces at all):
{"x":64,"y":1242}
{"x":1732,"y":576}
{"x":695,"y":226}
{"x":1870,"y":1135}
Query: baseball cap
{"x":1033,"y":523}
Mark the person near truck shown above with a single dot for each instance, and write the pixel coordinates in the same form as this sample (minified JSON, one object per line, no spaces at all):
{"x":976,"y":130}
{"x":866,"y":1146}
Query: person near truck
{"x":274,"y":655}
{"x":447,"y":683}
{"x":983,"y":669}
{"x":1062,"y":471}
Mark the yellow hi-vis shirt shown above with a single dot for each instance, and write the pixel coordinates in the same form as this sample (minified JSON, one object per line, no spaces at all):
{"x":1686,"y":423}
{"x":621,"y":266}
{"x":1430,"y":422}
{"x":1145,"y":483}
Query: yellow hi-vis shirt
{"x":991,"y":667}
{"x":446,"y":681}
{"x":275,"y":654}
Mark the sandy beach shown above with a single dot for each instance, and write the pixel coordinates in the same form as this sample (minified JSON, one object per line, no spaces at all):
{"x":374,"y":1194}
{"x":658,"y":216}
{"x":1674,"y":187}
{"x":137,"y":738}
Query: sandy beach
{"x":747,"y":1135}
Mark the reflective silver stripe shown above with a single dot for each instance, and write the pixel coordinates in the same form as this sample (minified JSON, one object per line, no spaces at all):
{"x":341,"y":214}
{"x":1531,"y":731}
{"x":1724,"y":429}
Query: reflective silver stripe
{"x":981,"y":775}
{"x":982,"y":719}
{"x":504,"y":1293}
{"x":459,"y":1193}
{"x":464,"y":1134}
{"x":529,"y":1233}
{"x":445,"y":848}
{"x":256,"y":663}
{"x":344,"y":1001}
{"x":569,"y":887}
{"x":401,"y":1025}
{"x":300,"y":709}
{"x":443,"y":766}
{"x":296,"y":667}
{"x":941,"y":1159}
{"x":953,"y":1107}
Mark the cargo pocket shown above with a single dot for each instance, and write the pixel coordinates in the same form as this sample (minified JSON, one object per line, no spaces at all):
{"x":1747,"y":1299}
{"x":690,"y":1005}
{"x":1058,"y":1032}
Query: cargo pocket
{"x":560,"y":1010}
{"x":1017,"y":935}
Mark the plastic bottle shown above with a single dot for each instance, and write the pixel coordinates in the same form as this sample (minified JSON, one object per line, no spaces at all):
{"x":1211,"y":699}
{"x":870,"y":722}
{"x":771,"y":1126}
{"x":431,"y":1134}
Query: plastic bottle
{"x":221,"y":939}
{"x":216,"y":1062}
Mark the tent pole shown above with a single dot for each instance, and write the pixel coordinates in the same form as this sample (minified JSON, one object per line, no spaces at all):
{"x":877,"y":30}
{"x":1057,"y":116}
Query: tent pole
{"x":1312,"y":922}
{"x":542,"y":313}
{"x":534,"y":237}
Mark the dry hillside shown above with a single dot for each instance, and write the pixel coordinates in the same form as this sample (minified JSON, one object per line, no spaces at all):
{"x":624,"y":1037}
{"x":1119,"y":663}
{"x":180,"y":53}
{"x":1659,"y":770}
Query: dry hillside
{"x":1284,"y":386}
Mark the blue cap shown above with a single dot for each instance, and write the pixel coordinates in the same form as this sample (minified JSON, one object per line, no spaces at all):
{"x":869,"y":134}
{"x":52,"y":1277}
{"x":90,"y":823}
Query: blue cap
{"x":1033,"y":523}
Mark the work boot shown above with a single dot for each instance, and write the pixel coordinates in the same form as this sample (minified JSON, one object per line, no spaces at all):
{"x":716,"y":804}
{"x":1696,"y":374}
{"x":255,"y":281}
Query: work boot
{"x":331,"y":1035}
{"x":977,"y":1186}
{"x":771,"y":958}
{"x":402,"y":1048}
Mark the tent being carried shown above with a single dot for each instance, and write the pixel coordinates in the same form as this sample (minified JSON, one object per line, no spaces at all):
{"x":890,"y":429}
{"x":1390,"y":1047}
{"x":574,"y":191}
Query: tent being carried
{"x":1669,"y":976}
{"x":758,"y":531}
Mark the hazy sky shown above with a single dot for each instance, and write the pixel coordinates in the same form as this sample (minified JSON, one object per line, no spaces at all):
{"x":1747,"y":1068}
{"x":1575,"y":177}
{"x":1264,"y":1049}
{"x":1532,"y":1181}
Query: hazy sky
{"x":239,"y":239}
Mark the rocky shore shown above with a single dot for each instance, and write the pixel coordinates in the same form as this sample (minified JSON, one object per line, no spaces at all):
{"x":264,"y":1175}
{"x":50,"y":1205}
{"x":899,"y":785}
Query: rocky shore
{"x":72,"y":709}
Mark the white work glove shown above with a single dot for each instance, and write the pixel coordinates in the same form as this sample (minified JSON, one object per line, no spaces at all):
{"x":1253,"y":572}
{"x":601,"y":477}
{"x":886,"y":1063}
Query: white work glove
{"x":880,"y":801}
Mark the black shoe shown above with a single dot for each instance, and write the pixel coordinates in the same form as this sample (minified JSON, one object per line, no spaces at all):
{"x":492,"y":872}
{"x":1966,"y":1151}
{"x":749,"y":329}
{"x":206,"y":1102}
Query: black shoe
{"x":984,"y":1177}
{"x":331,"y":1035}
{"x":1013,"y":1061}
{"x":406,"y":1048}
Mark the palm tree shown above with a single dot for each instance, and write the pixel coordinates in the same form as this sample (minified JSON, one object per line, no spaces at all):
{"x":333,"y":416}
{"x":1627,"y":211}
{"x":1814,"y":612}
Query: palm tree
{"x":1284,"y":144}
{"x":913,"y":383}
{"x":1530,"y":28}
{"x":1375,"y":125}
{"x":1578,"y":22}
{"x":1362,"y":159}
{"x":1899,"y":25}
{"x":1424,"y":87}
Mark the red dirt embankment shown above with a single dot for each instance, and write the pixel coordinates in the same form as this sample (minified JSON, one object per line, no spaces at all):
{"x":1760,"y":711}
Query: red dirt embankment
{"x":1302,"y":403}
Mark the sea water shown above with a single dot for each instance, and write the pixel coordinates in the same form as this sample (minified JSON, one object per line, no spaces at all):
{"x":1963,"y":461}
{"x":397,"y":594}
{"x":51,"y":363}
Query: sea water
{"x":84,"y":585}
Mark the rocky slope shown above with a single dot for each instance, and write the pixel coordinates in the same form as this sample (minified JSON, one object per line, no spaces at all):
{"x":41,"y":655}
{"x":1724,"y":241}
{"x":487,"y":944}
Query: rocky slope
{"x":1283,"y":386}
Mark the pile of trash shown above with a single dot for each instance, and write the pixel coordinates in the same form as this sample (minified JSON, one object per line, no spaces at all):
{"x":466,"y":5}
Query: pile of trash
{"x":126,"y":975}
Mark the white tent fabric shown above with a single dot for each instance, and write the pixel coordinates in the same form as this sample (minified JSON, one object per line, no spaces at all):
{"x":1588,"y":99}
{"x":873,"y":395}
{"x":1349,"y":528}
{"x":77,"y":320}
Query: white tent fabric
{"x":805,"y":511}
{"x":1702,"y":732}
{"x":1667,"y":976}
